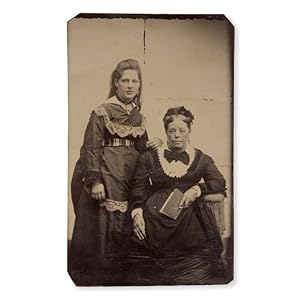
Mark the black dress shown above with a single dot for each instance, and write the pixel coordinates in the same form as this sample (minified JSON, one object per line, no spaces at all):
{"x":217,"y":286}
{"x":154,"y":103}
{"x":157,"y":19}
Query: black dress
{"x":112,"y":145}
{"x":182,"y":251}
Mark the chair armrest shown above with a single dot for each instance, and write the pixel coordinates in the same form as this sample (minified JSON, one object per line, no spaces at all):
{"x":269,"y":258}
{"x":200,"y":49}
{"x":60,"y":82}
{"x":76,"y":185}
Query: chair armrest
{"x":215,"y":198}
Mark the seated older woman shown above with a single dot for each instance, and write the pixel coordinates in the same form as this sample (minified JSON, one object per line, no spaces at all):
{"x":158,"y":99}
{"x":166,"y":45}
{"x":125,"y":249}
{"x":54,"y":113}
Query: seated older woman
{"x":186,"y":249}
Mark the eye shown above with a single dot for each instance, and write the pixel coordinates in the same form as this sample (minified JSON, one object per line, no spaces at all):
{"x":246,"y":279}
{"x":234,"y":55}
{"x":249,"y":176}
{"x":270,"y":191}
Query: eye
{"x":171,"y":130}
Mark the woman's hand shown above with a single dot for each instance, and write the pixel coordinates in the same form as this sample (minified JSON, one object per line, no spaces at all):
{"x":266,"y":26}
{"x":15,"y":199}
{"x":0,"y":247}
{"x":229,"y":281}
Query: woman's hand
{"x":155,"y":143}
{"x":139,"y":226}
{"x":97,"y":191}
{"x":189,"y":197}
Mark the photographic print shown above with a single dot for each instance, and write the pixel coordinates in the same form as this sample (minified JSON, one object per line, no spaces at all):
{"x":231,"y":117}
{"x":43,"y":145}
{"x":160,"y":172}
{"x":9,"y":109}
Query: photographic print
{"x":150,"y":149}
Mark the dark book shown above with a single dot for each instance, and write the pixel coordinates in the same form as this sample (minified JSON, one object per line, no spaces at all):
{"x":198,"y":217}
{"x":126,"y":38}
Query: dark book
{"x":171,"y":206}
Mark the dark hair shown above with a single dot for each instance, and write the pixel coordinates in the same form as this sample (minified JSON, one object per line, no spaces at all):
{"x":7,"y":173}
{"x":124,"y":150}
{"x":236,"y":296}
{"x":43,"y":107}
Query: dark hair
{"x":174,"y":112}
{"x":128,"y":64}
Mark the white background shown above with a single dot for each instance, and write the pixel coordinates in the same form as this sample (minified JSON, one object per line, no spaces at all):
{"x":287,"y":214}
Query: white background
{"x":33,"y":214}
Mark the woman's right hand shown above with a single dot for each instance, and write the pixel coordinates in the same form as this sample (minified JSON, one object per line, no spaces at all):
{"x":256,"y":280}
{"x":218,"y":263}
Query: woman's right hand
{"x":97,"y":191}
{"x":139,"y":226}
{"x":155,"y":143}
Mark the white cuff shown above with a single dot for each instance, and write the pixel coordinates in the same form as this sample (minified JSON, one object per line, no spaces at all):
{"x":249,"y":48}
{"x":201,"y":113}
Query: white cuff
{"x":197,"y":189}
{"x":136,"y":211}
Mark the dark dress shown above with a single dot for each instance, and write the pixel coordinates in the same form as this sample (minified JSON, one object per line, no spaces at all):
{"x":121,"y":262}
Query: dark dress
{"x":112,"y":145}
{"x":182,"y":251}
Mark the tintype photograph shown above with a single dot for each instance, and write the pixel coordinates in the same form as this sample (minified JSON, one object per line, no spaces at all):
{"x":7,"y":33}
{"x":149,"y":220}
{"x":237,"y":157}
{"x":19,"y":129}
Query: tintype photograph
{"x":150,"y":149}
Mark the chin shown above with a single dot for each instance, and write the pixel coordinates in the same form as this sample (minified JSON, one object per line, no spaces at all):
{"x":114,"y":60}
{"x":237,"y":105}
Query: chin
{"x":177,"y":147}
{"x":130,"y":96}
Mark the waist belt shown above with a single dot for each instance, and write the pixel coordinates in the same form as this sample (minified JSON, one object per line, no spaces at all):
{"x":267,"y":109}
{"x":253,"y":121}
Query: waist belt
{"x":113,"y":205}
{"x":116,"y":142}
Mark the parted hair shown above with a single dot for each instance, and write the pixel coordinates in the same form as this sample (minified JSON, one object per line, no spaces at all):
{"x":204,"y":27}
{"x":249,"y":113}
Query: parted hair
{"x":174,"y":112}
{"x":128,"y":64}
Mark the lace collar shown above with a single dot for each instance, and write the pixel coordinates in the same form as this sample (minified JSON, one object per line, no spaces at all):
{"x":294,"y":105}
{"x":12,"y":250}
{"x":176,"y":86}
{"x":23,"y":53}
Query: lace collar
{"x":120,"y":129}
{"x":175,"y":168}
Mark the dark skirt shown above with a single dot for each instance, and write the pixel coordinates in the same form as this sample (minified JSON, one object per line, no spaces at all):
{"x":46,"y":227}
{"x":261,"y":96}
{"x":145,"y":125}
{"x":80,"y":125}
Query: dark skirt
{"x":197,"y":266}
{"x":100,"y":241}
{"x":182,"y":251}
{"x":99,"y":245}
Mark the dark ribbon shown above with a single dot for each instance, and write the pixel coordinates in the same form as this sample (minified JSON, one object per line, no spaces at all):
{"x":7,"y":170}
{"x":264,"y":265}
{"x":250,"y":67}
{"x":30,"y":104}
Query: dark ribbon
{"x":181,"y":156}
{"x":125,"y":102}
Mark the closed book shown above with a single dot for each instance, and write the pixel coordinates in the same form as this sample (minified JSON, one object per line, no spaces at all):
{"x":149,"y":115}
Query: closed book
{"x":171,"y":206}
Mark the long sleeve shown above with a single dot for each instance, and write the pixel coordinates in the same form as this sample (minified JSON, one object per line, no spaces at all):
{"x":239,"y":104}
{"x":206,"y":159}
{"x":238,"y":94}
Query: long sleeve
{"x":140,"y":144}
{"x":91,"y":149}
{"x":214,"y":181}
{"x":140,"y":183}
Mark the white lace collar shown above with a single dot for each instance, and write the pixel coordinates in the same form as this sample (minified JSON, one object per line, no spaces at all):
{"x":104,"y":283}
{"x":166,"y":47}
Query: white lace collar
{"x":120,"y":129}
{"x":175,"y":168}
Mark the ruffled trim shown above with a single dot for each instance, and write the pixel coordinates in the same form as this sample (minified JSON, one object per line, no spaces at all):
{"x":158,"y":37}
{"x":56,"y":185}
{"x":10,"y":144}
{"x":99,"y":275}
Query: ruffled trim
{"x":121,"y":130}
{"x":175,"y":168}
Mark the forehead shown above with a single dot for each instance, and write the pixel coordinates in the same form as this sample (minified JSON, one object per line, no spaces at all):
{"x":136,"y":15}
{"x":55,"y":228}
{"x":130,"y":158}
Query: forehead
{"x":177,"y":123}
{"x":132,"y":74}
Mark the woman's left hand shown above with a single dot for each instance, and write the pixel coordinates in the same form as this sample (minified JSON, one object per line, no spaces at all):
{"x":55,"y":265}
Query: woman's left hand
{"x":155,"y":143}
{"x":139,"y":226}
{"x":188,"y":198}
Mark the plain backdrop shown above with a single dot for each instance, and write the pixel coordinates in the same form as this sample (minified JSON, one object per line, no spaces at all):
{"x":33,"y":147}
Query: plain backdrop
{"x":33,"y":214}
{"x":184,"y":62}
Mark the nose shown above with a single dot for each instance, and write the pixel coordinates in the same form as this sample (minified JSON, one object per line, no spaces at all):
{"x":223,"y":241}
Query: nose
{"x":130,"y":84}
{"x":177,"y":133}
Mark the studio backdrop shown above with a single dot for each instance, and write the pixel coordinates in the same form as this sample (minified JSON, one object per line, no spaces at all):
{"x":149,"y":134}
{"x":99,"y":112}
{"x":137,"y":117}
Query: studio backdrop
{"x":126,"y":73}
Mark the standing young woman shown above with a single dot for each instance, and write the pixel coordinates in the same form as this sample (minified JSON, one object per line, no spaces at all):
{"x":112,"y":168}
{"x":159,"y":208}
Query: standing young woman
{"x":114,"y":139}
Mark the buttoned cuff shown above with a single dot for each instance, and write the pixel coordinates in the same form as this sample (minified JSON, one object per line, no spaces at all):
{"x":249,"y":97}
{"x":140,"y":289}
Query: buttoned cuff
{"x":93,"y":177}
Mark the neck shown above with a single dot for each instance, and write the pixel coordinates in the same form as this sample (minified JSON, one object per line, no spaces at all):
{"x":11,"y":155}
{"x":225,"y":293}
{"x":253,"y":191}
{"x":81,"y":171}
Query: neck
{"x":177,"y":149}
{"x":123,"y":100}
